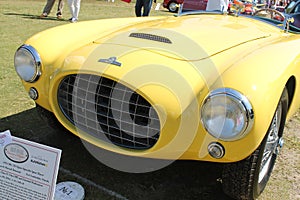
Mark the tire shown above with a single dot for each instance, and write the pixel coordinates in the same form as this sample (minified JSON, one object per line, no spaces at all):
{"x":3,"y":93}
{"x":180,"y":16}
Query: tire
{"x":172,"y":7}
{"x":49,"y":118}
{"x":247,"y":179}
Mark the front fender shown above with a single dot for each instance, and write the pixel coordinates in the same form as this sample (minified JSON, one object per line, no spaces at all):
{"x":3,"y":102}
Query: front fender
{"x":261,"y":76}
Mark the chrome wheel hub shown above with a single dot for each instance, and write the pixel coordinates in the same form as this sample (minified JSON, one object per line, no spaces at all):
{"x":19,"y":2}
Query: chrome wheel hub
{"x":273,"y":145}
{"x":173,"y":6}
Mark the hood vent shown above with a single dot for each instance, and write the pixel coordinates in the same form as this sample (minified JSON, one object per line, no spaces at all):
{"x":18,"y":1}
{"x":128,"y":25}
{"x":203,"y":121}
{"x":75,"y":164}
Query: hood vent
{"x":147,"y":36}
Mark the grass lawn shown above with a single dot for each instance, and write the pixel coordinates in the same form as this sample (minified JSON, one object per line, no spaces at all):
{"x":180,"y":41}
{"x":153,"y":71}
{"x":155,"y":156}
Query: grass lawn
{"x":19,"y":20}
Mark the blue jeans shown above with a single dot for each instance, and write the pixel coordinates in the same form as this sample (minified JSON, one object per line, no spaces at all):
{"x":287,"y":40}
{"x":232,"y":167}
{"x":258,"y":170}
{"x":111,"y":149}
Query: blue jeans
{"x":145,"y":4}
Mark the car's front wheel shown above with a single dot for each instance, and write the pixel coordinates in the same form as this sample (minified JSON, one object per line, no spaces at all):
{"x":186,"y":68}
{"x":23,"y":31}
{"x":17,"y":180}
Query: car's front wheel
{"x":247,"y":179}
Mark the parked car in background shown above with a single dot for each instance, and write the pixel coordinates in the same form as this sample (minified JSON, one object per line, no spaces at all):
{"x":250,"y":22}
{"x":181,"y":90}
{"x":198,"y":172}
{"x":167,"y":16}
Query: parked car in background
{"x":200,"y":86}
{"x":173,"y":5}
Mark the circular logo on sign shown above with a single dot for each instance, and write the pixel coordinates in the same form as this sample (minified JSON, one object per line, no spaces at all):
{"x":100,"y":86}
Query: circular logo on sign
{"x":16,"y":153}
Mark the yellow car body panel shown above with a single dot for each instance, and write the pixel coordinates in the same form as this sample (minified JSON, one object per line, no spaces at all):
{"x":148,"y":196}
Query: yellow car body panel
{"x":207,"y":52}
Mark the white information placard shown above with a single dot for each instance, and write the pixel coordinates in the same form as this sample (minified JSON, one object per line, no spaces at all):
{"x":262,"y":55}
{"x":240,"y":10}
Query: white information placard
{"x":28,"y":170}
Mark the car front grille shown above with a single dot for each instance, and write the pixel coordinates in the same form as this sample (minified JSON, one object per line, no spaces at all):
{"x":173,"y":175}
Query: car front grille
{"x":109,"y":111}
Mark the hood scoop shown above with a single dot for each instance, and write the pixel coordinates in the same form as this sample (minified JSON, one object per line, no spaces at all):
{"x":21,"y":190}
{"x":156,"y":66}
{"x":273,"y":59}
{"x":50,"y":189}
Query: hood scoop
{"x":147,"y":36}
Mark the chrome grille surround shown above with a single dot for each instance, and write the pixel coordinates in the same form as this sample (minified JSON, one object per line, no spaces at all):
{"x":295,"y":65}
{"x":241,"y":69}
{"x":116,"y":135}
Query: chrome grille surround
{"x":109,"y":111}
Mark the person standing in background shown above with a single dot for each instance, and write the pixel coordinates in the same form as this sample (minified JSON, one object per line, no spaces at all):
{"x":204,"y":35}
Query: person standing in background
{"x":74,"y":8}
{"x":143,"y":4}
{"x":49,"y":6}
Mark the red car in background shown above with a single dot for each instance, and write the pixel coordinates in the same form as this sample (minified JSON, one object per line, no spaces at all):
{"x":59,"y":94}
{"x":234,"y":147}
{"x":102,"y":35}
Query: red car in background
{"x":172,"y":5}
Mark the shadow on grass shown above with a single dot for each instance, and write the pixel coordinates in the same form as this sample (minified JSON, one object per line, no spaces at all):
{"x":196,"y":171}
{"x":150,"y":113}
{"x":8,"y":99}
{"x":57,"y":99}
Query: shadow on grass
{"x":29,"y":16}
{"x":182,"y":180}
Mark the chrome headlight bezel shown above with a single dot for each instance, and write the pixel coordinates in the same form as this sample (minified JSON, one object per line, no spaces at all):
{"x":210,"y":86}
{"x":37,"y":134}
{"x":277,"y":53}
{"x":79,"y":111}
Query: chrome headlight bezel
{"x":27,"y":63}
{"x":226,"y":114}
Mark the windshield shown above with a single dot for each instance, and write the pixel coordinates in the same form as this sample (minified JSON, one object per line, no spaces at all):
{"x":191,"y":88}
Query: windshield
{"x":289,"y":8}
{"x":258,"y":9}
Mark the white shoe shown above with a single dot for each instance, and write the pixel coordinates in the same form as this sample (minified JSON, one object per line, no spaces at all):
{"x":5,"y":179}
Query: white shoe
{"x":73,"y":19}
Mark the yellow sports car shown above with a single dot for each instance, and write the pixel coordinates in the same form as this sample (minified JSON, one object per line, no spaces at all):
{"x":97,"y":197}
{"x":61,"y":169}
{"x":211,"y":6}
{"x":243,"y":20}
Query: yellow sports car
{"x":204,"y":86}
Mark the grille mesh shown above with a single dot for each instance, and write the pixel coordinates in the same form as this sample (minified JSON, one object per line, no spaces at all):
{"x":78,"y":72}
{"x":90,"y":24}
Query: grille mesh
{"x":109,"y":111}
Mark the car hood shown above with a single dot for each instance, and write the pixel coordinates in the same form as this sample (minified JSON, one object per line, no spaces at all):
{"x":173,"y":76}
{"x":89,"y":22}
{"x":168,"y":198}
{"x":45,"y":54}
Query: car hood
{"x":169,"y":55}
{"x":181,"y":37}
{"x":149,"y":56}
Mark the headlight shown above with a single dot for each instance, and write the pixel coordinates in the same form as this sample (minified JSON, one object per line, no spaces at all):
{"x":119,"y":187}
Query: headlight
{"x":28,"y":63}
{"x":226,"y":114}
